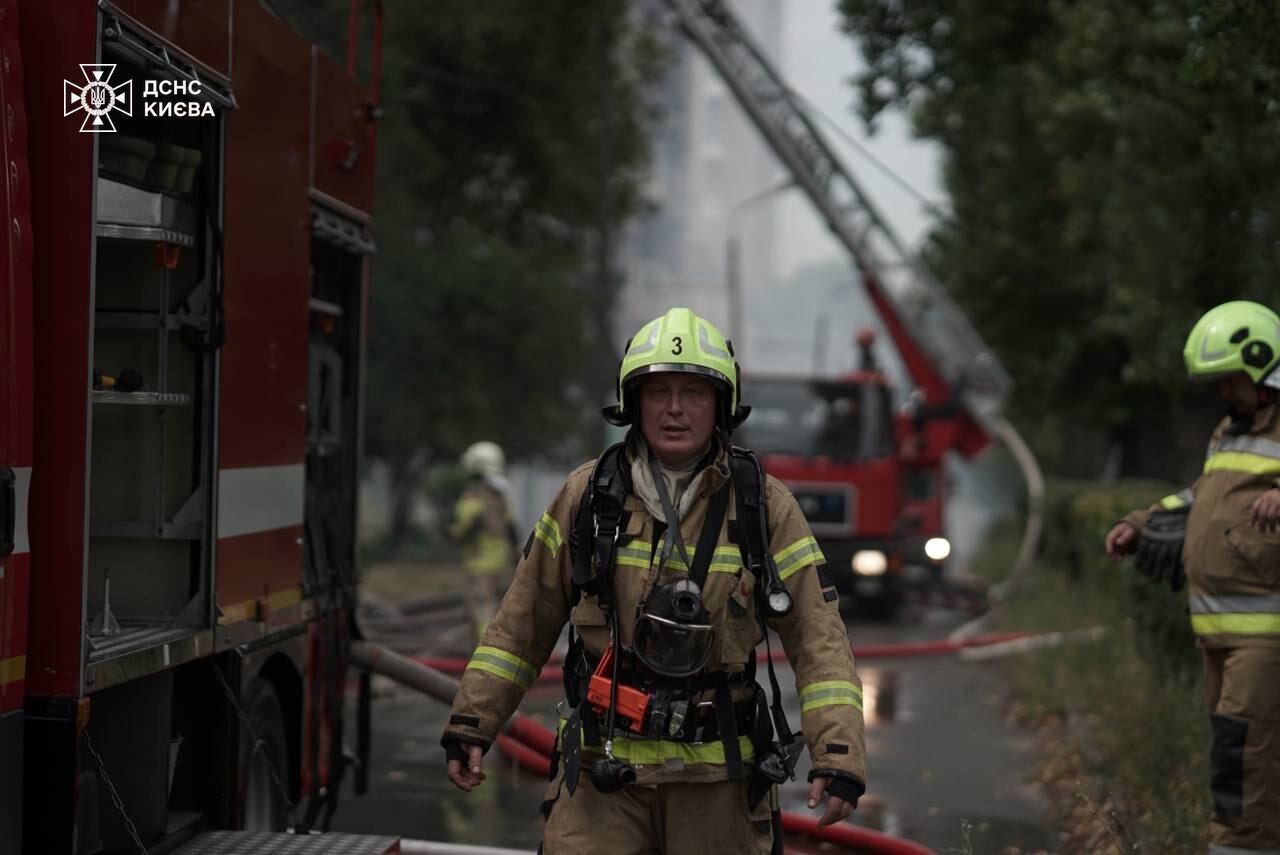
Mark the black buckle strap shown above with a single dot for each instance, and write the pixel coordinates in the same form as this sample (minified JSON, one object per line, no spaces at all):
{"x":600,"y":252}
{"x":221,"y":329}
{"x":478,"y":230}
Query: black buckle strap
{"x":598,"y":527}
{"x":729,"y":733}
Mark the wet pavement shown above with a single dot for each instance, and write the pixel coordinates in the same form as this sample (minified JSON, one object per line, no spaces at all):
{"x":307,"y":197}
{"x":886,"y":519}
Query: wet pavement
{"x":946,"y":768}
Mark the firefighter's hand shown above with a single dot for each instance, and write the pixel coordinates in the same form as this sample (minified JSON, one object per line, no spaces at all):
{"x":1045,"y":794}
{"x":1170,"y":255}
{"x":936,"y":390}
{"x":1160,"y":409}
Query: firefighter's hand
{"x":837,"y":808}
{"x":1121,"y":540}
{"x":470,"y":777}
{"x":1265,"y":513}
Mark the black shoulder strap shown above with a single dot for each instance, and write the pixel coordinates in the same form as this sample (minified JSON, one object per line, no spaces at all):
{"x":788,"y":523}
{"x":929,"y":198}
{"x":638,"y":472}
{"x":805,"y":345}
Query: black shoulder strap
{"x":710,"y":536}
{"x":753,"y":528}
{"x":598,"y":524}
{"x":752,"y":524}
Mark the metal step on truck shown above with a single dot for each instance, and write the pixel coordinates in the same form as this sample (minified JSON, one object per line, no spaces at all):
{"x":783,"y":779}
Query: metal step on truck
{"x":184,"y":277}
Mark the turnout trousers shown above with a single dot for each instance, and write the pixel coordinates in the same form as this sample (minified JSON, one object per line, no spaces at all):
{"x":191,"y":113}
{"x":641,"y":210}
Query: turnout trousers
{"x":1242,"y":688}
{"x":672,"y":819}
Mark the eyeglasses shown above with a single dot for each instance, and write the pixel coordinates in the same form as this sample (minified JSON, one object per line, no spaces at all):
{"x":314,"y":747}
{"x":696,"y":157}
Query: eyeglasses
{"x":691,"y":396}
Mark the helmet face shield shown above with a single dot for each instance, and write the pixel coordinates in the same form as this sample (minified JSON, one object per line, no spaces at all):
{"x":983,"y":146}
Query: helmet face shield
{"x":672,"y":648}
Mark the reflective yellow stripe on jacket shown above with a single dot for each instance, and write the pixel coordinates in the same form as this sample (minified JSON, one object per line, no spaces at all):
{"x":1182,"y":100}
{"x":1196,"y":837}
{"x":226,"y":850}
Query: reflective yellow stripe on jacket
{"x":1177,"y":501}
{"x":1253,"y":455}
{"x":502,"y":664}
{"x":1235,"y":615}
{"x":726,"y":559}
{"x":799,"y":554}
{"x":830,"y":693}
{"x":547,"y":530}
{"x":658,"y":752}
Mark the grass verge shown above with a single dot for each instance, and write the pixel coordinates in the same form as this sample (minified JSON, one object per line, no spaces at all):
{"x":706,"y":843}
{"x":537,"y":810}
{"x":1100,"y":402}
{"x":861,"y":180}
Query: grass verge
{"x":1121,"y":721}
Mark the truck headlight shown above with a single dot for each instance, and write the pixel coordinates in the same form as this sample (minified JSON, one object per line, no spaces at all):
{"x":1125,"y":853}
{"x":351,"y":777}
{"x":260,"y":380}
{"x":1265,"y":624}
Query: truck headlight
{"x":870,"y":562}
{"x":937,"y":548}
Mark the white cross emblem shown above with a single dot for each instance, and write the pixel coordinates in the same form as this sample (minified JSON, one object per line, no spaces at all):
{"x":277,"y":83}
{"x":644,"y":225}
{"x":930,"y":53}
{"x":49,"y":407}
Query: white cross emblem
{"x":97,"y":97}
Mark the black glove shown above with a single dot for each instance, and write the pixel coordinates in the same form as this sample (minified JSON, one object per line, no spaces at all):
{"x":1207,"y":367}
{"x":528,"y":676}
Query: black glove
{"x":842,"y":785}
{"x":456,"y":748}
{"x":1159,"y":554}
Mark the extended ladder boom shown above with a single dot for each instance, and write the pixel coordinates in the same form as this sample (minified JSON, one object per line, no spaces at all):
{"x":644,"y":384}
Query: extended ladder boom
{"x":911,"y":291}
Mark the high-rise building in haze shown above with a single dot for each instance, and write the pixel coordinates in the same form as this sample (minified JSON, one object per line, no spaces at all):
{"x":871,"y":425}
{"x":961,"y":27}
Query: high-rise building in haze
{"x":707,"y":161}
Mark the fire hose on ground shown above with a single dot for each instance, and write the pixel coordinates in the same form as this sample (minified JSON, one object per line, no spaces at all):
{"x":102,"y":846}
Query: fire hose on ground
{"x":454,"y":665}
{"x":529,"y":744}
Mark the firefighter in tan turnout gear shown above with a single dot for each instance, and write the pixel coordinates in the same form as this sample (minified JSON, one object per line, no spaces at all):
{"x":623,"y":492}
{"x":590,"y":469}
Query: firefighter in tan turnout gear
{"x":1231,"y":559}
{"x":668,"y":556}
{"x":482,"y":524}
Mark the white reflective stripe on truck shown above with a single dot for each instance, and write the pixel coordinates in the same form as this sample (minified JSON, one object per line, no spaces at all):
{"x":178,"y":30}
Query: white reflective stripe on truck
{"x":254,"y":499}
{"x":22,"y":494}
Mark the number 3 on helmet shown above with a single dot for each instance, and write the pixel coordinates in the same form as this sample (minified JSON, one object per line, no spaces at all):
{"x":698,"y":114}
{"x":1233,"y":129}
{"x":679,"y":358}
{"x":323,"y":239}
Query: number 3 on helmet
{"x":679,"y":341}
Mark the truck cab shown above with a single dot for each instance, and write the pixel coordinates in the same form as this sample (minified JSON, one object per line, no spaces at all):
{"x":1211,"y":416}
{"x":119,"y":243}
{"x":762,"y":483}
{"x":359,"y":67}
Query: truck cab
{"x":833,"y":442}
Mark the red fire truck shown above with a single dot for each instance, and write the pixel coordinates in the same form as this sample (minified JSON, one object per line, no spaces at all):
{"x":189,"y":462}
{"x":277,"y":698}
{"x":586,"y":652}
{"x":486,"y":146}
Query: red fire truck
{"x":833,"y":441}
{"x":868,"y":473}
{"x":183,"y":294}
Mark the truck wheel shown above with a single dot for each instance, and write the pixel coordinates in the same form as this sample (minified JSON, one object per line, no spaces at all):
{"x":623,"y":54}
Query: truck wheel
{"x":263,"y":762}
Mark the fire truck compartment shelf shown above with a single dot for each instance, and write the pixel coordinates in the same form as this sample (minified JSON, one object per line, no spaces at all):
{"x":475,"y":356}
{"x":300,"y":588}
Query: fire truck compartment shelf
{"x":262,"y":842}
{"x":146,"y":530}
{"x":182,"y":643}
{"x":120,"y":319}
{"x":146,"y":399}
{"x":111,"y":230}
{"x":130,"y":213}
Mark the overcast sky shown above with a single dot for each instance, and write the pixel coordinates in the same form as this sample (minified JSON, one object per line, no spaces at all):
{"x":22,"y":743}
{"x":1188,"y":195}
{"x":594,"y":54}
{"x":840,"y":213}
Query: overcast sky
{"x":818,"y":61}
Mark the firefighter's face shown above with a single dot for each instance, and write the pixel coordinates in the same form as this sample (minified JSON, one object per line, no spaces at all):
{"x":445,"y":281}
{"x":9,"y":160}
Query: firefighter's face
{"x":677,"y":415}
{"x":1238,"y":391}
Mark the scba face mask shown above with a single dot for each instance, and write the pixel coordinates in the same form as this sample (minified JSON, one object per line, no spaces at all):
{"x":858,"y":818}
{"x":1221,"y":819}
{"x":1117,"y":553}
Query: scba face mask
{"x":674,"y":635}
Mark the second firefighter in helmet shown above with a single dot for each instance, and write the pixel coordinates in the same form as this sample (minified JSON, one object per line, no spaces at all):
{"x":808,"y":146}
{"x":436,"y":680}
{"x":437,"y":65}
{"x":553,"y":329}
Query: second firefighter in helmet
{"x":1220,"y":538}
{"x":658,"y":554}
{"x":482,"y":526}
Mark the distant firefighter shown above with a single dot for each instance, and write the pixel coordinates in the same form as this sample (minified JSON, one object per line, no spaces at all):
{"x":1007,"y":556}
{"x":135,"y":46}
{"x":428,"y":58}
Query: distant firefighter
{"x":482,"y":524}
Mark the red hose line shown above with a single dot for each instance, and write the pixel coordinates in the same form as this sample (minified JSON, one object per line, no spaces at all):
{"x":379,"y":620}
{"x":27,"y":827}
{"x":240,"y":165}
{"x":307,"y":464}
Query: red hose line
{"x":524,"y":729}
{"x":852,"y":836}
{"x":454,"y":666}
{"x":525,"y":757}
{"x":551,"y":672}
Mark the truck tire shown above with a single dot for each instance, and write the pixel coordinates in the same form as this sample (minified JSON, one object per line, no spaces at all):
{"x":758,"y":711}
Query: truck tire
{"x":264,"y":805}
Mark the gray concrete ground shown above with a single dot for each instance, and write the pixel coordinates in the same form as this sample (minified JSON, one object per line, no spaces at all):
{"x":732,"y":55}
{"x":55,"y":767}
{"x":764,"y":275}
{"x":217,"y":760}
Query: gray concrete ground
{"x":946,"y":767}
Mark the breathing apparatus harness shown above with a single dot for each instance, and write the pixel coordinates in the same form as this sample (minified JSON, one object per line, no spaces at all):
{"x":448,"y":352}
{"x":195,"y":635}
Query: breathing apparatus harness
{"x":657,"y":707}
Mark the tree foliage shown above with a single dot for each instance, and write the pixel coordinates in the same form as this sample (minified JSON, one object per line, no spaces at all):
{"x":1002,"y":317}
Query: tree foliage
{"x":514,"y":136}
{"x":1113,"y":172}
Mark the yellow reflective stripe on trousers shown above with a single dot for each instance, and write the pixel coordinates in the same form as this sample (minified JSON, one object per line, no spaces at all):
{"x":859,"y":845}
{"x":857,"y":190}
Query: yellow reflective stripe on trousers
{"x":1237,"y":624}
{"x":1242,"y":461}
{"x":830,"y":693}
{"x":547,"y":530}
{"x":659,"y":752}
{"x":803,"y":552}
{"x":502,"y":664}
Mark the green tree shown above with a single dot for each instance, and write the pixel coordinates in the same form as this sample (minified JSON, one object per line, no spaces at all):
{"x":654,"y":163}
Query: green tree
{"x":512,"y":146}
{"x":1113,"y":173}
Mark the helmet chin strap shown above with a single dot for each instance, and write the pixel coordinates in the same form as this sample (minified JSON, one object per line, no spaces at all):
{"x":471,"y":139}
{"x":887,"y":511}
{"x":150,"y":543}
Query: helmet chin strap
{"x":1242,"y":422}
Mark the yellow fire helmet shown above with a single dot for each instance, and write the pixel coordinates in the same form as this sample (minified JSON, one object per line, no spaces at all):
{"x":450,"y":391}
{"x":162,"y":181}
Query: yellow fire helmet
{"x":679,"y":341}
{"x":1236,"y":336}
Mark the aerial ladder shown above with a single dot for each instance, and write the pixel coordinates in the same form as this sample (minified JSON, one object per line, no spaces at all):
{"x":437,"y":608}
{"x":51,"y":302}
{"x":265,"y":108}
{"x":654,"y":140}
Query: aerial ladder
{"x":952,"y":367}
